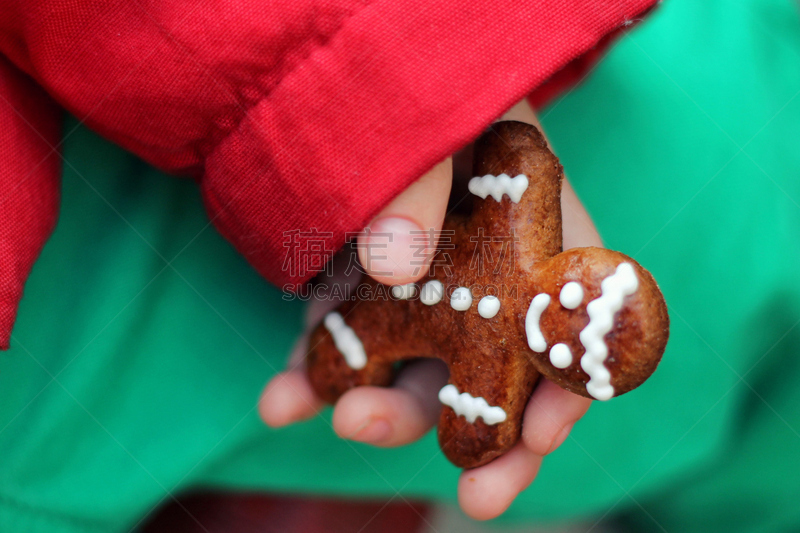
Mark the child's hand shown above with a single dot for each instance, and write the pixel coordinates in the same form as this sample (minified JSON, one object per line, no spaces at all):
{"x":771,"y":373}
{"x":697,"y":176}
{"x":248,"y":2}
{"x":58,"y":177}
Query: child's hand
{"x":404,"y":413}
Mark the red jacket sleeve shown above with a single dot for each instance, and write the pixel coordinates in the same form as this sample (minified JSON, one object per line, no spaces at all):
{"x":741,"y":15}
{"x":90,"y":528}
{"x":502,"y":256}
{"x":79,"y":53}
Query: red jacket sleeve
{"x":300,"y":120}
{"x":29,"y":186}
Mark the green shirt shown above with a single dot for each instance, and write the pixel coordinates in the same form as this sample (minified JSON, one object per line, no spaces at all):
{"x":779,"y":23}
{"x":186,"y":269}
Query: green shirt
{"x":143,"y":339}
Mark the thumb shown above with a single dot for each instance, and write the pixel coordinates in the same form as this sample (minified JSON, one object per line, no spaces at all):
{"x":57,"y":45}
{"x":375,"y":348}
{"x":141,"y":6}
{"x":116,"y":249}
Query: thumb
{"x":399,"y":243}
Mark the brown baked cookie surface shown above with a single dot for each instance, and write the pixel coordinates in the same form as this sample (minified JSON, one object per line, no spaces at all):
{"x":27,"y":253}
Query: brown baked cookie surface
{"x":501,"y":304}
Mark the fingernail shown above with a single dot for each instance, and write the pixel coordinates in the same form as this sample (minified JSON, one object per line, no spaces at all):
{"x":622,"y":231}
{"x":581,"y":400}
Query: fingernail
{"x":560,"y":438}
{"x":373,"y":432}
{"x":394,"y":247}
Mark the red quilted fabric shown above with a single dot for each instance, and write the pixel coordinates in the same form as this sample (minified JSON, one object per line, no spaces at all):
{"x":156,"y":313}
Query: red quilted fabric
{"x":300,"y":120}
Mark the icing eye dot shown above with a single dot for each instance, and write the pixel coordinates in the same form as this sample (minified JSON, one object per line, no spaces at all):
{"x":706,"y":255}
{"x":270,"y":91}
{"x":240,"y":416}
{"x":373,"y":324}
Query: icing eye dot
{"x":571,"y":295}
{"x":560,"y":355}
{"x":432,"y":292}
{"x":489,"y":306}
{"x":404,"y":292}
{"x":461,"y":300}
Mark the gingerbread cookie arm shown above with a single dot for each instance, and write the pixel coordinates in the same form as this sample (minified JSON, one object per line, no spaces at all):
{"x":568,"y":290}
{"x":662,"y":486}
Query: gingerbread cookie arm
{"x":358,"y":343}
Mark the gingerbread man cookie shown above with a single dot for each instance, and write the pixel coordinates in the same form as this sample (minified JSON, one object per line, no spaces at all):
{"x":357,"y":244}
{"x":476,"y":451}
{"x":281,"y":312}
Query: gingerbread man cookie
{"x":506,"y":306}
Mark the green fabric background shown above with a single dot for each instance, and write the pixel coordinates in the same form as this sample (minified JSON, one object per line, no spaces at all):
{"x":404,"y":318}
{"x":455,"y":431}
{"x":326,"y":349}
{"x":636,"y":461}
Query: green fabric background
{"x":144,"y":340}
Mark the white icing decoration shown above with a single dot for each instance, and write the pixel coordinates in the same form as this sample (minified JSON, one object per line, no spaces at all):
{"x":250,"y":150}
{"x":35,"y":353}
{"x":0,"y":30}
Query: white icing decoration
{"x":601,"y":312}
{"x":571,"y":295}
{"x":346,"y":341}
{"x":404,"y":292}
{"x":496,"y":186}
{"x":432,"y":292}
{"x":469,"y":407}
{"x":561,"y":355}
{"x":489,"y":306}
{"x":535,"y":338}
{"x":461,"y":300}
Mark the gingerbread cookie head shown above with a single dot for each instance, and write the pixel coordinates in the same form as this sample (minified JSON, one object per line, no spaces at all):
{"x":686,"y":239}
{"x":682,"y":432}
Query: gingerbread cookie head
{"x":501,"y":305}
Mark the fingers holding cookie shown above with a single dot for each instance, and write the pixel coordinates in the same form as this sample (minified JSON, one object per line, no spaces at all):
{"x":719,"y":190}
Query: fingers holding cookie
{"x":577,"y":226}
{"x":289,"y":397}
{"x":549,"y":417}
{"x":393,"y":416}
{"x":487,"y":491}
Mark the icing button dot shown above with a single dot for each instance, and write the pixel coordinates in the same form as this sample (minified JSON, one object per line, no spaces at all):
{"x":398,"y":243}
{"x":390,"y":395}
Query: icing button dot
{"x":432,"y":292}
{"x":461,"y":300}
{"x":404,"y":292}
{"x":571,"y":295}
{"x":560,"y":355}
{"x":489,"y":306}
